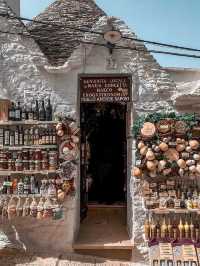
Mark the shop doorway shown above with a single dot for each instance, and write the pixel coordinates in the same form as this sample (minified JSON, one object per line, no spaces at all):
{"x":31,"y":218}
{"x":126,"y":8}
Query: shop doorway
{"x":103,"y":154}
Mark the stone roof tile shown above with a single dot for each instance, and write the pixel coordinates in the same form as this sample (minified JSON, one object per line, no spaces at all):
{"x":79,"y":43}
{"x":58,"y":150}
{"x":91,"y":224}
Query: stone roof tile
{"x":54,"y":38}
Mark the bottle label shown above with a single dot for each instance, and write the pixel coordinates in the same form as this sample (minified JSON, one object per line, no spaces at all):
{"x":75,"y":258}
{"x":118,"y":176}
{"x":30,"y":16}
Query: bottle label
{"x":7,"y":137}
{"x":12,"y":140}
{"x":16,"y":138}
{"x":23,"y":116}
{"x":20,"y":139}
{"x":30,"y":116}
{"x":17,"y":114}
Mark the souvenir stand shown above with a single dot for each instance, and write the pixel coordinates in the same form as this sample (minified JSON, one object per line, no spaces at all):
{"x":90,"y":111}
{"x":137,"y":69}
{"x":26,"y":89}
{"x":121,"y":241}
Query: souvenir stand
{"x":38,"y":162}
{"x":168,"y":166}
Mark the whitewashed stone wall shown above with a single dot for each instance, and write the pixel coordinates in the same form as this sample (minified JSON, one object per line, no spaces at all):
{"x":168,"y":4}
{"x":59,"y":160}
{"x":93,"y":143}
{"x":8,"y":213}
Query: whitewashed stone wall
{"x":15,"y":5}
{"x":22,"y":72}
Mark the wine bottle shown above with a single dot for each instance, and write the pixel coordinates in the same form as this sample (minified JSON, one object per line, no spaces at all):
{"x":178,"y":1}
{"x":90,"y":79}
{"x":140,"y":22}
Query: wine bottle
{"x":21,"y":136}
{"x":42,"y":112}
{"x":49,"y":111}
{"x":1,"y":136}
{"x":17,"y":136}
{"x":24,"y":113}
{"x":20,"y":187}
{"x":18,"y":112}
{"x":12,"y":138}
{"x":27,"y":185}
{"x":36,"y":111}
{"x":32,"y":185}
{"x":30,"y":113}
{"x":26,"y":137}
{"x":7,"y":137}
{"x":11,"y":112}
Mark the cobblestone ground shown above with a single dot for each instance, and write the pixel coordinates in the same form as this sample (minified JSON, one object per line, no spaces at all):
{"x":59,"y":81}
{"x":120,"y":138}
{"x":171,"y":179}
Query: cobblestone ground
{"x":65,"y":260}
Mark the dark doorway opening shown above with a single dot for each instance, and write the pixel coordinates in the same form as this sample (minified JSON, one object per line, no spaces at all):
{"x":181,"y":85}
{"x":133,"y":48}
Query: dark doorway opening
{"x":103,"y":153}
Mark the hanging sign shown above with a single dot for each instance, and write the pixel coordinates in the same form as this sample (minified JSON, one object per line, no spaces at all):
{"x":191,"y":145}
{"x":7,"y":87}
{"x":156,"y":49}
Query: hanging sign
{"x":105,"y":88}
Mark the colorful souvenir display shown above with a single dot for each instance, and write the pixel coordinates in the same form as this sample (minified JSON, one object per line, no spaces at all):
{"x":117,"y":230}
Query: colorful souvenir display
{"x":168,"y":165}
{"x":37,"y":163}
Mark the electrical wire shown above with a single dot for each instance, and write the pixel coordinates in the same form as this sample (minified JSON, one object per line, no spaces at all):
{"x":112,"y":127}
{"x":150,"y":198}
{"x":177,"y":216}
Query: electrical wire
{"x":116,"y":47}
{"x":100,"y":33}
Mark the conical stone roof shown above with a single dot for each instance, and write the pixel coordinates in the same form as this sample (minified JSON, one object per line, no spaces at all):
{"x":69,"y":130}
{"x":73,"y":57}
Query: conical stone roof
{"x":58,"y":42}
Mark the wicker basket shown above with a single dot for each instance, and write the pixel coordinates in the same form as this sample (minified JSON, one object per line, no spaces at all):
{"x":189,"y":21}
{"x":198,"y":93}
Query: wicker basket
{"x":4,"y":106}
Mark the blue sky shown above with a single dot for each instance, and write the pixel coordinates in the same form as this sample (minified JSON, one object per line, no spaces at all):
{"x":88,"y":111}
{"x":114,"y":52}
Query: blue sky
{"x":169,"y":21}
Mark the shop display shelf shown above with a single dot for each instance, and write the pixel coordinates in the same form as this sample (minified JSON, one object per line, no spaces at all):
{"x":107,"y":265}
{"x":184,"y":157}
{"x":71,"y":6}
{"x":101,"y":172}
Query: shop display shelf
{"x":27,"y":122}
{"x":25,"y":196}
{"x":173,"y":211}
{"x":45,"y":172}
{"x":13,"y":148}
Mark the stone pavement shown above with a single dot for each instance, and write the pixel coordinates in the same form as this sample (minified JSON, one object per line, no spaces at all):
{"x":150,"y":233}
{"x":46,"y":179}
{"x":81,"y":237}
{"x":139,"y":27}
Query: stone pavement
{"x":19,"y":259}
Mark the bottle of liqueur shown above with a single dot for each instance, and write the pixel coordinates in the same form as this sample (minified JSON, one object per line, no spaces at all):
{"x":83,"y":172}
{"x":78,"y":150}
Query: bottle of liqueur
{"x":21,"y":136}
{"x":36,"y":111}
{"x":26,"y":208}
{"x":1,"y":136}
{"x":43,"y":136}
{"x":20,"y":187}
{"x":7,"y":137}
{"x":40,"y":209}
{"x":187,"y":230}
{"x":12,"y":138}
{"x":183,"y":203}
{"x":30,"y":113}
{"x":17,"y":136}
{"x":24,"y":113}
{"x":18,"y":112}
{"x":31,"y":136}
{"x":26,"y":185}
{"x":47,"y":137}
{"x":164,"y":230}
{"x":32,"y":185}
{"x":33,"y":208}
{"x":181,"y":230}
{"x":26,"y":137}
{"x":14,"y":186}
{"x":11,"y":112}
{"x":36,"y":136}
{"x":170,"y":229}
{"x":49,"y":111}
{"x":19,"y":207}
{"x":54,"y":137}
{"x":192,"y":230}
{"x":42,"y":112}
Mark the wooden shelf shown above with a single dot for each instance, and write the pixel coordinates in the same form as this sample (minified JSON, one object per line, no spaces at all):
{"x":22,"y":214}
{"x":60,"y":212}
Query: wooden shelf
{"x":45,"y":172}
{"x":174,"y":211}
{"x":12,"y":148}
{"x":27,"y":122}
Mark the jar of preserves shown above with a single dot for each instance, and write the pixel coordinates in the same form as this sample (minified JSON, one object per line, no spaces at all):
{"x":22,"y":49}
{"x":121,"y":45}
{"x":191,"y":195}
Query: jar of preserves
{"x":44,"y":155}
{"x":3,"y":164}
{"x":38,"y":155}
{"x":10,"y":165}
{"x":31,"y":165}
{"x":26,"y":165}
{"x":37,"y":165}
{"x":45,"y":164}
{"x":53,"y":160}
{"x":19,"y":165}
{"x":25,"y":155}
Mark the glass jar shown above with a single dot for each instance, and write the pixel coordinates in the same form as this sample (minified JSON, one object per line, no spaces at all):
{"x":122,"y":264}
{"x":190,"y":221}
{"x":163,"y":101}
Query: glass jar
{"x":19,"y":165}
{"x":38,"y":155}
{"x":26,"y":165}
{"x":37,"y":165}
{"x":31,"y":165}
{"x":45,"y":164}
